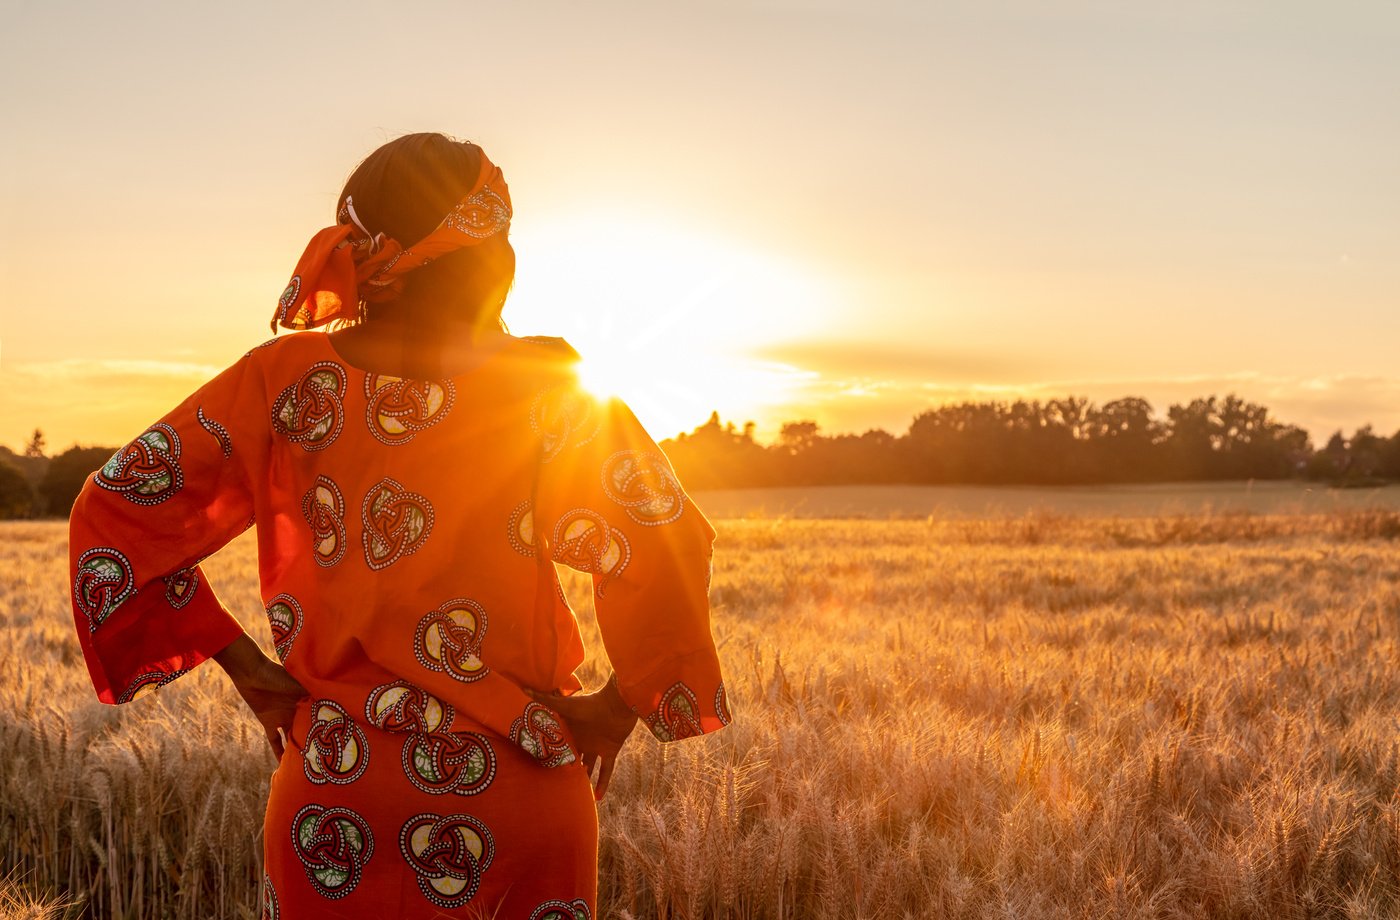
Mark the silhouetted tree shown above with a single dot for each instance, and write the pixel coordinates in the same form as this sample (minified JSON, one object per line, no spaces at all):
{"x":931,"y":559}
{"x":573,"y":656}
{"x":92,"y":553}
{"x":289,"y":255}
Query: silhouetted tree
{"x":33,"y":469}
{"x":1364,"y":452}
{"x":1390,"y":457}
{"x":35,"y":447}
{"x":16,"y":496}
{"x":1212,"y":438}
{"x":66,"y":474}
{"x":1193,"y":436}
{"x":715,"y":456}
{"x":1124,"y":440}
{"x":797,"y":436}
{"x":1066,"y":440}
{"x":1331,"y":461}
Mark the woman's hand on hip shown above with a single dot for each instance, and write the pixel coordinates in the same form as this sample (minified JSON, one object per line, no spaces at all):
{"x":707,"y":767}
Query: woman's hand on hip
{"x":600,"y":723}
{"x":270,"y":692}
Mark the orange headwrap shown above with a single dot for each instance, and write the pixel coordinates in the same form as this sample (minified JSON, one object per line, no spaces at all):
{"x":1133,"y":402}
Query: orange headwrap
{"x":344,"y":265}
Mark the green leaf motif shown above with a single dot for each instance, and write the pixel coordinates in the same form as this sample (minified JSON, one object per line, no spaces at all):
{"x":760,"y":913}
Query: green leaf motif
{"x":423,"y":763}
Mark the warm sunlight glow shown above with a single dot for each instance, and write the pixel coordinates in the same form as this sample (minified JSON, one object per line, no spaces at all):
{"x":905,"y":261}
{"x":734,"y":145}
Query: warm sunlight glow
{"x":666,"y":319}
{"x":600,"y":377}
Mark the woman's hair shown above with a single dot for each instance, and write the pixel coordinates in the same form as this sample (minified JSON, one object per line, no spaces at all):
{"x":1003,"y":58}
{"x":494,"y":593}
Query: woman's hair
{"x":404,"y":190}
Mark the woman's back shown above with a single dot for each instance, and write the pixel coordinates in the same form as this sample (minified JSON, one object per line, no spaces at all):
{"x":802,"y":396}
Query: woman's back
{"x":408,"y":524}
{"x":405,"y":530}
{"x":410,"y":498}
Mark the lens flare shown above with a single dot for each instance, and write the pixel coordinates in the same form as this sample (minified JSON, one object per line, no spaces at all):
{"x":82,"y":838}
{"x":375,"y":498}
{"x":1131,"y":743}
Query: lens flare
{"x":665,"y":318}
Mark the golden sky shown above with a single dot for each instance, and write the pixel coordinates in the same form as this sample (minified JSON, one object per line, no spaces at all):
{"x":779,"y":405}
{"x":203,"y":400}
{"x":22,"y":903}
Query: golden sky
{"x":847,"y":211}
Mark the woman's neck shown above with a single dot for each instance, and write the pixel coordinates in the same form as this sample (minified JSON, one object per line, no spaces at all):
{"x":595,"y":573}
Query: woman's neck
{"x":423,"y":350}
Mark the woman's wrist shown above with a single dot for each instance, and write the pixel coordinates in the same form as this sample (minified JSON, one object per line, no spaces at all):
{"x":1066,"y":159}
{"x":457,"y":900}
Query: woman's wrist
{"x":617,"y":706}
{"x":242,"y":659}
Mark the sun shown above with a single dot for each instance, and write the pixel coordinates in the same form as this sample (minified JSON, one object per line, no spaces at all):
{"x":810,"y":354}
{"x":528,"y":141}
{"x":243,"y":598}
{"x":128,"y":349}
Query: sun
{"x":674,"y":391}
{"x":600,"y":377}
{"x":664,"y":318}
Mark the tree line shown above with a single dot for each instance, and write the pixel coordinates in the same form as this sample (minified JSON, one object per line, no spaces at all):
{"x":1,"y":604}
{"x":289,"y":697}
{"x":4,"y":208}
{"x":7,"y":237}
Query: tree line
{"x":1069,"y":441}
{"x":33,"y":484}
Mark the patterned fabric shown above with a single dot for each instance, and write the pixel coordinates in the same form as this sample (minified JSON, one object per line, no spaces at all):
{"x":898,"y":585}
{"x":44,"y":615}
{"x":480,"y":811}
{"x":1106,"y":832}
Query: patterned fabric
{"x":400,"y":528}
{"x":344,"y":265}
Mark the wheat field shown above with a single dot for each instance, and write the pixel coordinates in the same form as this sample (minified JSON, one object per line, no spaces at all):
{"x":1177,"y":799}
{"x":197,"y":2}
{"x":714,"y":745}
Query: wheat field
{"x":1033,"y":717}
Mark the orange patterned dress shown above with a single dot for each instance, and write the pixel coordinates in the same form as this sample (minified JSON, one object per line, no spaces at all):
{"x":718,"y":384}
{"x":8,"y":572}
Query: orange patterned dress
{"x":405,"y":531}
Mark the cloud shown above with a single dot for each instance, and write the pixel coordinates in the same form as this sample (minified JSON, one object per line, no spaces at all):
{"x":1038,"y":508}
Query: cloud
{"x":78,"y":401}
{"x":80,"y":369}
{"x":896,"y":362}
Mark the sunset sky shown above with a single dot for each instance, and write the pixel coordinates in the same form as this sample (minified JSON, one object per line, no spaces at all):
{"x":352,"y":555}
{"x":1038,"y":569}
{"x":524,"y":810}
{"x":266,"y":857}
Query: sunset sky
{"x":846,"y":211}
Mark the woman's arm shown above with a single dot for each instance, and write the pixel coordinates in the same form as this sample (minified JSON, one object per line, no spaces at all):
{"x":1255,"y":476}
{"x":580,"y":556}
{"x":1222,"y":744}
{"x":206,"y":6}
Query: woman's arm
{"x":608,"y":503}
{"x":601,"y":722}
{"x":270,"y":692}
{"x":144,"y":612}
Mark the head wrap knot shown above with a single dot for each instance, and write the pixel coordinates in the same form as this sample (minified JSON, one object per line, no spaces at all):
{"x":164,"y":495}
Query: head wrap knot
{"x":345,"y":265}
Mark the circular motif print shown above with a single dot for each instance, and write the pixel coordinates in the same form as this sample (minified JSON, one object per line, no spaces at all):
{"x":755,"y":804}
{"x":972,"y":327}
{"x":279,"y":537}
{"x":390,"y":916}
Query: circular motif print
{"x":146,"y":684}
{"x":310,"y":412}
{"x":324,"y":509}
{"x":290,"y":295}
{"x":403,"y":707}
{"x":146,"y":471}
{"x":449,"y":640}
{"x":400,"y":408}
{"x":442,"y":762}
{"x":396,"y":521}
{"x":285,"y":617}
{"x":521,"y":529}
{"x":448,"y":854}
{"x":583,"y":540}
{"x":336,"y":750}
{"x":104,"y":579}
{"x":576,"y":909}
{"x":333,"y":844}
{"x":678,"y":716}
{"x":642,"y":483}
{"x":564,"y":416}
{"x":269,"y":900}
{"x":180,"y":587}
{"x":537,"y":731}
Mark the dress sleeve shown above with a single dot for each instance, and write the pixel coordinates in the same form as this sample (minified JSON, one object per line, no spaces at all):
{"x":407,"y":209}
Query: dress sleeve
{"x":143,"y":610}
{"x":609,"y":504}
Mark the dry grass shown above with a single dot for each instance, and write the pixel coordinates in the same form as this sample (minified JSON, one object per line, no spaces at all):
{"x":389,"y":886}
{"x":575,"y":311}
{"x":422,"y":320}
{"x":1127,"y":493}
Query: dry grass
{"x":19,"y":902}
{"x":1037,"y":717}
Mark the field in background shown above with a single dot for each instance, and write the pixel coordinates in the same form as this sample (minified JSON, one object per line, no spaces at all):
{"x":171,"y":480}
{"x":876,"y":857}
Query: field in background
{"x":1137,"y":500}
{"x":1042,"y":716}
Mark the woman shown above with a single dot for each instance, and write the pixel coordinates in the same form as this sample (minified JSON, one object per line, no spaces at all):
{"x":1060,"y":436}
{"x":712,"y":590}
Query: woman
{"x":411,"y":475}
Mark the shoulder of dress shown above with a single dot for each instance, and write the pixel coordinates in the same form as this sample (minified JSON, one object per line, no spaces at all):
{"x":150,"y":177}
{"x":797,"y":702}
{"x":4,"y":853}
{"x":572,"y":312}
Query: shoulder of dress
{"x":279,"y":343}
{"x":293,"y":351}
{"x":553,"y":345}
